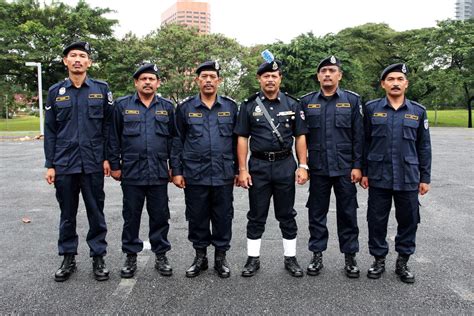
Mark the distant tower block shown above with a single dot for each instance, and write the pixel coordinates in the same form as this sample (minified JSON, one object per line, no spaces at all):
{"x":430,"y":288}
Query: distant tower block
{"x":189,"y":12}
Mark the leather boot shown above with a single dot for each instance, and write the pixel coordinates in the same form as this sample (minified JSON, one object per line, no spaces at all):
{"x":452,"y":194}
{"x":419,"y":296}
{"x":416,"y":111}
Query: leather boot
{"x":377,"y":268}
{"x":98,"y":267}
{"x":129,"y":267}
{"x":251,"y":266}
{"x":199,"y":264}
{"x":402,"y":269}
{"x":291,"y":264}
{"x":221,"y":265}
{"x":162,"y":265}
{"x":351,"y":268}
{"x":316,"y":264}
{"x":68,"y":267}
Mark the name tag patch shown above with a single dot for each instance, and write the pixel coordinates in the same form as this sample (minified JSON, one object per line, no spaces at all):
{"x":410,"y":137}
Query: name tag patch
{"x":191,"y":114}
{"x":134,"y":112}
{"x":343,"y":105}
{"x":314,"y":106}
{"x":223,"y":113}
{"x":380,"y":114}
{"x":411,"y":117}
{"x":64,"y":98}
{"x":96,"y":96}
{"x":161,"y":112}
{"x":285,"y":113}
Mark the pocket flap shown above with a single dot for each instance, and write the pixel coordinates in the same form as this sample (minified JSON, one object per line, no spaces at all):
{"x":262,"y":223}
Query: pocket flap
{"x":162,"y":118}
{"x":131,"y":118}
{"x":62,"y":143}
{"x":225,"y":119}
{"x":131,"y":157}
{"x":412,"y":160}
{"x":228,"y":156}
{"x":192,"y":156}
{"x":375,"y":157}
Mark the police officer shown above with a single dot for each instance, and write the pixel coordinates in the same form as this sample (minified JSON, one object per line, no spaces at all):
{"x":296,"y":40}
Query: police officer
{"x":335,"y":145}
{"x":203,"y":164}
{"x":78,"y":112}
{"x":398,"y":165}
{"x":271,"y":119}
{"x":140,"y":145}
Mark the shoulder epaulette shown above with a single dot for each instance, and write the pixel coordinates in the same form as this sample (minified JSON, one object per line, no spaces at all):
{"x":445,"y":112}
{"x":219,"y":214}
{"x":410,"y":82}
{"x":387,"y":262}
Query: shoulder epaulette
{"x":229,"y":98}
{"x":99,"y":81}
{"x":416,"y":103}
{"x":372,"y":101}
{"x":121,"y":98}
{"x":56,"y":85}
{"x":185,"y":100}
{"x":352,"y":92}
{"x":292,"y":97}
{"x":251,"y":98}
{"x":166,"y":100}
{"x":308,"y":94}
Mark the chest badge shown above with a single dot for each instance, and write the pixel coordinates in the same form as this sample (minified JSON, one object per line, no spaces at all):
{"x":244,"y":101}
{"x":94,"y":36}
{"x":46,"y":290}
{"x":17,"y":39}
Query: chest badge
{"x":223,"y":113}
{"x":411,"y":117}
{"x":314,"y":106}
{"x":62,"y":91}
{"x":195,"y":114}
{"x":380,"y":114}
{"x":258,"y":109}
{"x":132,"y":112}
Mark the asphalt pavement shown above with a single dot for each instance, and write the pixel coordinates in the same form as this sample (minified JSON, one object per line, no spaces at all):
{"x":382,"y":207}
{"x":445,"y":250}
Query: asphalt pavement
{"x":442,"y":262}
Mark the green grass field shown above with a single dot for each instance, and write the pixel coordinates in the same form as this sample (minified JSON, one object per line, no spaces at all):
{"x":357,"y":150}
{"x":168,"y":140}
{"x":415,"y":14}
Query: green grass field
{"x":452,"y":118}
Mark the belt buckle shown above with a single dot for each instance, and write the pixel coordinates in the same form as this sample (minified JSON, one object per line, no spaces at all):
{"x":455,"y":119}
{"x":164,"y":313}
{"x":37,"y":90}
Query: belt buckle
{"x":271,"y":156}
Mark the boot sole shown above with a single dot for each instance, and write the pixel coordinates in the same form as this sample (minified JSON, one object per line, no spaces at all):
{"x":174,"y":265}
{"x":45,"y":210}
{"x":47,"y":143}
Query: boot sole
{"x":127,"y":276}
{"x":313,"y":273}
{"x":65,"y":278}
{"x":353,"y":275}
{"x":165,"y":273}
{"x":248,"y":275}
{"x":196,"y":274}
{"x":101,"y":278}
{"x":374,"y":276}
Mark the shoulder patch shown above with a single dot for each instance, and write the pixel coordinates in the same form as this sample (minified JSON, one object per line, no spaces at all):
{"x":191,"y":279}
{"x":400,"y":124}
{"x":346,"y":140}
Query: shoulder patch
{"x":352,"y":92}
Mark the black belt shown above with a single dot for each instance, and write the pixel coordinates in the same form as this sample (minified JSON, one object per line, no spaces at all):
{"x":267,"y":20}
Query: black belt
{"x":271,"y":155}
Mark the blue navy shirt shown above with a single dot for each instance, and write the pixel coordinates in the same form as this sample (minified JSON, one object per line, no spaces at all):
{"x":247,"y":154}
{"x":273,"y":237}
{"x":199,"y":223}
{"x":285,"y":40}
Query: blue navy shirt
{"x":140,"y":140}
{"x":76,"y":126}
{"x":336,"y":132}
{"x":398,"y":147}
{"x":204,"y":150}
{"x":286,"y":114}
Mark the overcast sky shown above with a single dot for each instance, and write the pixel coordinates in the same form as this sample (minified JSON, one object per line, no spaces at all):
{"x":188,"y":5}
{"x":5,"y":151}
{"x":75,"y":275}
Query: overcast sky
{"x":264,"y":21}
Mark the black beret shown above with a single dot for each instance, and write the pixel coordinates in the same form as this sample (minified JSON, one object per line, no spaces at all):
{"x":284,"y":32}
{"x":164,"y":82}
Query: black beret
{"x":269,"y":67}
{"x":209,"y":65}
{"x":394,"y":68}
{"x":147,"y":68}
{"x":83,"y":46}
{"x":329,"y":61}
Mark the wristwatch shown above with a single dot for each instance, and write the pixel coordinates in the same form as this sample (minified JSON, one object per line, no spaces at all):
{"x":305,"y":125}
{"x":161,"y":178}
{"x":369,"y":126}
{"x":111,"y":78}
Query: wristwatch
{"x":301,"y":165}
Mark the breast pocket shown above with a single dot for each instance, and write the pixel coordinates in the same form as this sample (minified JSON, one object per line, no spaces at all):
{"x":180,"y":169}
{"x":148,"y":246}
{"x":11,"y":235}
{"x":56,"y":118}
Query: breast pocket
{"x":410,"y":128}
{"x":131,"y":125}
{"x":226,"y":125}
{"x":315,"y":161}
{"x":313,"y":118}
{"x":343,"y":117}
{"x":63,"y":111}
{"x":196,"y":126}
{"x":379,"y":126}
{"x":161,"y":125}
{"x":96,"y":108}
{"x":285,"y":121}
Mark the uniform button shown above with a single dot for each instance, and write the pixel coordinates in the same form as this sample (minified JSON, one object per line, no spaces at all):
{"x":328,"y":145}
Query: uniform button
{"x":273,"y":119}
{"x":271,"y":108}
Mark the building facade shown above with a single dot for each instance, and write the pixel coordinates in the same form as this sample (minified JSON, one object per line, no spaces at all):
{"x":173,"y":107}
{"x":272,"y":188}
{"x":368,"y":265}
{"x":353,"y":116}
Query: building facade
{"x":191,"y":13}
{"x":464,"y":9}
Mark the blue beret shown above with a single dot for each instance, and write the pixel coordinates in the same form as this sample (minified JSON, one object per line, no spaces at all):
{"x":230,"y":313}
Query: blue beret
{"x":329,"y":61}
{"x":400,"y":67}
{"x":147,"y":68}
{"x":269,"y":67}
{"x":209,"y":65}
{"x":83,"y":46}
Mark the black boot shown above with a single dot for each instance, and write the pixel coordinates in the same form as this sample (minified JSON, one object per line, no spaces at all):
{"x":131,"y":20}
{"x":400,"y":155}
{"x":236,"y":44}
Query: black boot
{"x":402,"y":269}
{"x":316,"y":264}
{"x":98,"y":267}
{"x":377,"y":268}
{"x":129,"y":267}
{"x":291,"y":264}
{"x":68,"y":267}
{"x":162,"y":265}
{"x":199,"y":264}
{"x":221,"y":265}
{"x":351,"y":268}
{"x":251,"y":266}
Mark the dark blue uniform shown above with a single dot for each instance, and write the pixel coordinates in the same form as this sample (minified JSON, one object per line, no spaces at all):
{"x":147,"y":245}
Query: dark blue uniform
{"x":398,"y":159}
{"x":335,"y":146}
{"x":140,"y":146}
{"x":76,"y":129}
{"x":273,"y":176}
{"x":204,"y":152}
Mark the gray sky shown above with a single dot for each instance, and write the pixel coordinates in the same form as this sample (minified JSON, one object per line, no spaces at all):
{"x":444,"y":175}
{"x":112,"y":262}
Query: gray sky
{"x":264,"y":21}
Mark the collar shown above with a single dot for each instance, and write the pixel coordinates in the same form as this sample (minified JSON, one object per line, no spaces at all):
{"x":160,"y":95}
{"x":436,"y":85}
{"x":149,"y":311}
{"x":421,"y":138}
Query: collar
{"x":68,"y":82}
{"x":196,"y":101}
{"x":337,"y":93}
{"x":136,"y":99}
{"x":262,"y":96}
{"x":406,"y":103}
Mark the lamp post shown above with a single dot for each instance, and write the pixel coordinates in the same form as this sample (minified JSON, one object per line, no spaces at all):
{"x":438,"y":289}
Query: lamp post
{"x":40,"y":93}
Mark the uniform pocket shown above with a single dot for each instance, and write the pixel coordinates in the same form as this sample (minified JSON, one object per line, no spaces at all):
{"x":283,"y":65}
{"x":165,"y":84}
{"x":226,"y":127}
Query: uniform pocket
{"x":410,"y":128}
{"x":344,"y":156}
{"x":343,"y":117}
{"x":192,"y":165}
{"x":161,"y":125}
{"x":160,"y":165}
{"x":379,"y":126}
{"x":228,"y":166}
{"x":315,"y":161}
{"x":63,"y":111}
{"x":62,"y":153}
{"x":412,"y":170}
{"x":313,"y":118}
{"x":375,"y":166}
{"x":226,"y":125}
{"x":196,"y":126}
{"x":131,"y":166}
{"x":96,"y":109}
{"x":98,"y":149}
{"x":131,"y":125}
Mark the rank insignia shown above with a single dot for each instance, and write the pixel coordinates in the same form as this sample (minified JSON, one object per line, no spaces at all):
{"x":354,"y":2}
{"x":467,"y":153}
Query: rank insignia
{"x":197,"y":114}
{"x":223,"y":113}
{"x":380,"y":114}
{"x":411,"y":117}
{"x":314,"y":106}
{"x":64,"y":98}
{"x":134,"y":112}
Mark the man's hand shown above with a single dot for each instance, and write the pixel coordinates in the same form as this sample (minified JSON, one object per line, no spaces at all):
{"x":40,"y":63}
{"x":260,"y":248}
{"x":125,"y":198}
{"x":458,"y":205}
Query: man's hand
{"x":179,"y":182}
{"x":50,"y":175}
{"x":356,"y":175}
{"x":301,"y":176}
{"x":236,"y":181}
{"x":423,"y":188}
{"x":245,"y":180}
{"x":116,"y":174}
{"x":364,"y":183}
{"x":106,"y":166}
